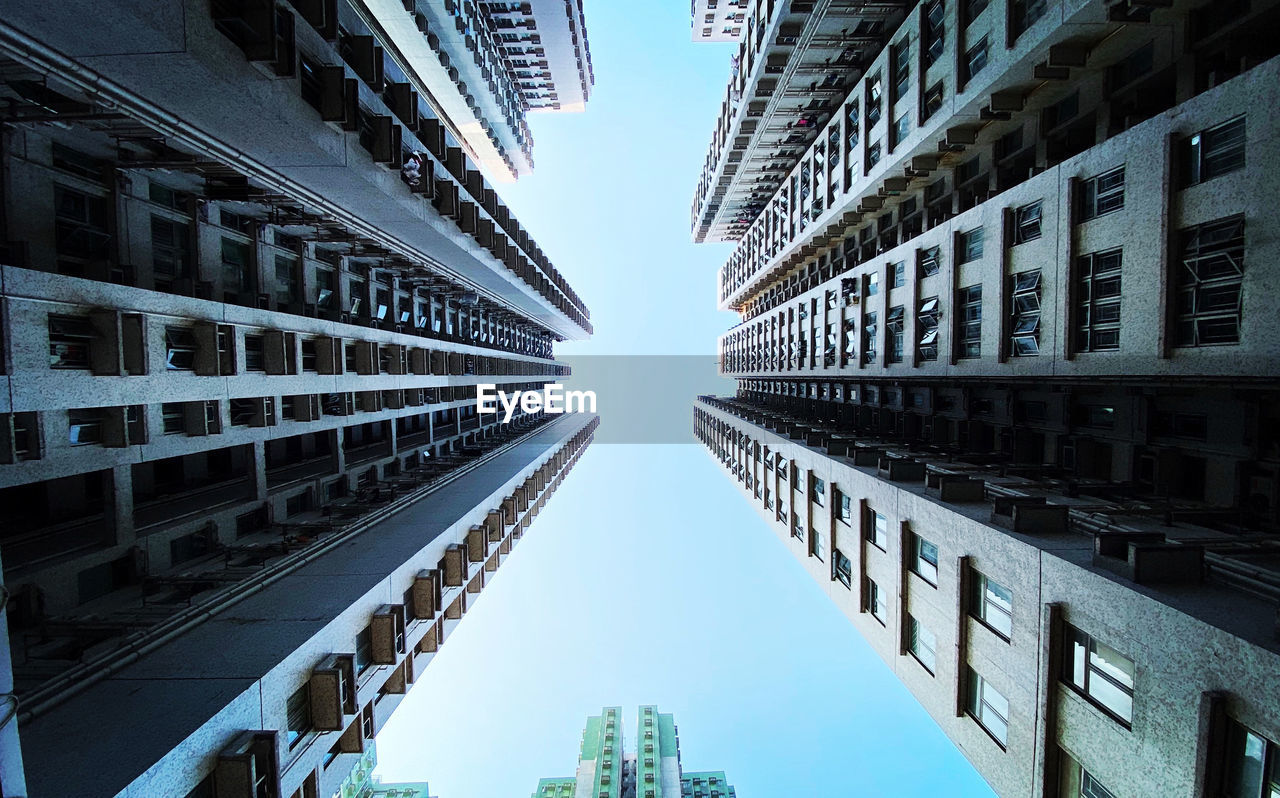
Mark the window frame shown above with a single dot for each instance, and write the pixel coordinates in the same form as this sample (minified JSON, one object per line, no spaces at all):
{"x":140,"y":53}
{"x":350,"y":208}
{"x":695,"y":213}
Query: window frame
{"x":1075,"y":638}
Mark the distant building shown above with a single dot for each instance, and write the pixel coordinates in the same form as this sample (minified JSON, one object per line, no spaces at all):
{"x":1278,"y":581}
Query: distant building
{"x":361,"y":783}
{"x":485,"y":65}
{"x":606,"y":769}
{"x":719,"y":20}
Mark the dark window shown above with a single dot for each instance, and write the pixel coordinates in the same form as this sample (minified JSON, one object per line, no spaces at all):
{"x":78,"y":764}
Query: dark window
{"x":1213,"y":152}
{"x":70,"y":341}
{"x":970,"y":310}
{"x":1102,"y":194}
{"x":1027,"y":223}
{"x":975,"y":58}
{"x":842,"y":568}
{"x":299,"y":715}
{"x":927,"y":329}
{"x":893,"y":327}
{"x":1025,"y":335}
{"x":1253,"y":764}
{"x":1098,"y":301}
{"x":932,"y":101}
{"x":1024,"y":13}
{"x":971,"y":245}
{"x":1208,"y":283}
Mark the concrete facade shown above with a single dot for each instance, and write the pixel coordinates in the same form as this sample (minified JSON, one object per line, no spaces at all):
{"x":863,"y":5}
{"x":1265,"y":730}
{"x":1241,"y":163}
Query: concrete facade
{"x":1007,"y":377}
{"x":250,"y":276}
{"x":486,"y":65}
{"x":606,"y":769}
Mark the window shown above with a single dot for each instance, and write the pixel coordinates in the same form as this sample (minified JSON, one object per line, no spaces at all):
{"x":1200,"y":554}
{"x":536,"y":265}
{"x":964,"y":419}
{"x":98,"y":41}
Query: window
{"x":899,"y":274}
{"x":80,"y":230}
{"x":299,"y":715}
{"x":975,"y":58}
{"x":1253,"y":764}
{"x":1099,"y":673}
{"x":255,"y":358}
{"x":971,"y":245}
{"x":287,"y":290}
{"x":1213,"y":152}
{"x":1026,"y":223}
{"x":991,"y":603}
{"x":170,"y":249}
{"x":876,"y":529}
{"x":818,"y":491}
{"x":842,"y":568}
{"x":934,"y":32}
{"x":1172,"y":424}
{"x":922,"y":644}
{"x":927,"y":329}
{"x":844,"y":506}
{"x":893,"y":325}
{"x":924,"y":559}
{"x":901,"y":65}
{"x":1024,"y":13}
{"x":1098,"y":301}
{"x":1102,"y":194}
{"x":815,"y":544}
{"x":180,"y":349}
{"x":932,"y":101}
{"x":930,"y":261}
{"x":174,"y":418}
{"x":869,"y":334}
{"x":84,"y":427}
{"x":874,"y":599}
{"x":1077,"y":783}
{"x":875,"y":95}
{"x":1026,"y":314}
{"x":973,"y":8}
{"x":970,"y":344}
{"x":988,"y":707}
{"x":901,"y":129}
{"x":1208,"y":283}
{"x":70,"y":341}
{"x":873,"y":155}
{"x":364,"y":650}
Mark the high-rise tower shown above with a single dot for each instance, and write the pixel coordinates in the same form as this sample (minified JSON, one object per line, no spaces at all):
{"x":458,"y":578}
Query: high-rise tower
{"x":250,"y":279}
{"x":607,"y":770}
{"x":1007,"y":373}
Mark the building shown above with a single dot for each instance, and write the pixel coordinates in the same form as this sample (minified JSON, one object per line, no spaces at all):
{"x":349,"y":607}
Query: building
{"x":795,"y":63}
{"x":245,"y":492}
{"x":361,"y":783}
{"x":1008,"y":377}
{"x":606,"y":769}
{"x":713,"y":22}
{"x":483,"y":66}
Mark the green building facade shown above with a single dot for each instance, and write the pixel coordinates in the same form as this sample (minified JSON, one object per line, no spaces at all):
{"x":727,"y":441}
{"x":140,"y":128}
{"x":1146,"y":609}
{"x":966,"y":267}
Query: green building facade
{"x":361,"y":783}
{"x":606,"y":769}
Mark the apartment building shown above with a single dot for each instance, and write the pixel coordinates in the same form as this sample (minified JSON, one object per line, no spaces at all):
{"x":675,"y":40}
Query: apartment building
{"x":606,"y":769}
{"x":250,"y":278}
{"x":713,"y":21}
{"x":794,"y":61}
{"x":1007,"y":380}
{"x":361,"y":783}
{"x":484,"y":66}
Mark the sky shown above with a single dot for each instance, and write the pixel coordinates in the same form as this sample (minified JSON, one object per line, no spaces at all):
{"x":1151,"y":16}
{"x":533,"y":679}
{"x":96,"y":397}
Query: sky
{"x":648,"y":579}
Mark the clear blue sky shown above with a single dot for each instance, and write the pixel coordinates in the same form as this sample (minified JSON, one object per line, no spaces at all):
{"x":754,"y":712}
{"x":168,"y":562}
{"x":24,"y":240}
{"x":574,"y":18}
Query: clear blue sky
{"x":648,"y":579}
